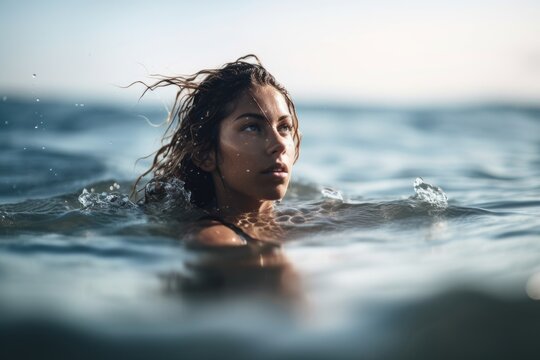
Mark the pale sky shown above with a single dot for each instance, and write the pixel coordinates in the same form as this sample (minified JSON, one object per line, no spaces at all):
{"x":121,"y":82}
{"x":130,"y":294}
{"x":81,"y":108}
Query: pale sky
{"x":386,"y":51}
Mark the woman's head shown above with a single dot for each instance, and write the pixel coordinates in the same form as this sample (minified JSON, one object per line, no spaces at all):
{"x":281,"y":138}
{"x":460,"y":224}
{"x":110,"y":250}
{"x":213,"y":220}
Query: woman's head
{"x":198,"y":141}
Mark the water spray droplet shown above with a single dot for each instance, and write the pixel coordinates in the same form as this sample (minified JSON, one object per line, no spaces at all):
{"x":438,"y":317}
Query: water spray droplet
{"x":34,"y":76}
{"x":430,"y":194}
{"x":37,"y":100}
{"x":332,"y":194}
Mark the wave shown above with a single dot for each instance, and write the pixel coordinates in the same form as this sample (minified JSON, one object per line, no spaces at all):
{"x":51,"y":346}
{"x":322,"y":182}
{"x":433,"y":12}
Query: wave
{"x":309,"y":209}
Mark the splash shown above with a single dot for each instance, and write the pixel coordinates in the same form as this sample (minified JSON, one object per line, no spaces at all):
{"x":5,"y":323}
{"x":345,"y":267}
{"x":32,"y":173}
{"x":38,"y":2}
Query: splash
{"x":105,"y":201}
{"x":167,"y":195}
{"x":430,"y":194}
{"x":330,"y":193}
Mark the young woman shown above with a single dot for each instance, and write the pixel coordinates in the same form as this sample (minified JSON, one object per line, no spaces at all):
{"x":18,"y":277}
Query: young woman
{"x":232,"y":141}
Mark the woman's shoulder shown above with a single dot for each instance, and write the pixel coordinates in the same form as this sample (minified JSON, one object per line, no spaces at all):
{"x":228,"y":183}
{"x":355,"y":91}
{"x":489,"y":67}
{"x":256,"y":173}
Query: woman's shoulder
{"x":211,"y":232}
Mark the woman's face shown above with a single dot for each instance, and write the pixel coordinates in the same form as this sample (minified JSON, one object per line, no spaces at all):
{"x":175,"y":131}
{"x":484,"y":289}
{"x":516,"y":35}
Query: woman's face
{"x":256,"y":149}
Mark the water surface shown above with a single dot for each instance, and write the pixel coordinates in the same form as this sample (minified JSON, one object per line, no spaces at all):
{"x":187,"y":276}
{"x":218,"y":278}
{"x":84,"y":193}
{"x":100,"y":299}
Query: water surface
{"x":373,"y":266}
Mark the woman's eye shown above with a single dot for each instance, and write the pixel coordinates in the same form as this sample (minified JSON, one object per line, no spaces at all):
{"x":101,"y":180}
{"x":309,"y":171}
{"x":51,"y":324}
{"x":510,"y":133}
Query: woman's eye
{"x":286,"y":128}
{"x":251,"y":128}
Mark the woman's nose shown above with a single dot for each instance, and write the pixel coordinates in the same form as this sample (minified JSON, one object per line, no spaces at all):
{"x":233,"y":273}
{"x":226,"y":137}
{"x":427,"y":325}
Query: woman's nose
{"x":275,"y":142}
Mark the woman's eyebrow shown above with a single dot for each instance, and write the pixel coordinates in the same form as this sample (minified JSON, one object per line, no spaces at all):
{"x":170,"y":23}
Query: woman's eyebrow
{"x":260,"y":116}
{"x":253,"y":115}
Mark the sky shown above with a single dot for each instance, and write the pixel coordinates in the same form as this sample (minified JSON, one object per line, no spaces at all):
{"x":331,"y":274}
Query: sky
{"x":374,"y":52}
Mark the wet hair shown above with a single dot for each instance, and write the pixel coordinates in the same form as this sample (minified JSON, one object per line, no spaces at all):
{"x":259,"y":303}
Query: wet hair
{"x":202,"y":101}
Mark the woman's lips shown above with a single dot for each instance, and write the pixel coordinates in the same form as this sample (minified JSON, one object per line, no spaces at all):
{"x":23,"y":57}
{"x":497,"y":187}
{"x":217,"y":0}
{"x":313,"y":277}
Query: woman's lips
{"x":278,"y":171}
{"x":276,"y":167}
{"x":276,"y":174}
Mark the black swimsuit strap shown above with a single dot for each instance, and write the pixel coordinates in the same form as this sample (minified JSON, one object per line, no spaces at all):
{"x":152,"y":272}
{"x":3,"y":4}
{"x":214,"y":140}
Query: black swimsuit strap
{"x":239,"y":231}
{"x":231,"y":226}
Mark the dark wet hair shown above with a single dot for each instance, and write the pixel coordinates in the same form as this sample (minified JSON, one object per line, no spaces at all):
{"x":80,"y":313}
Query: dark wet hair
{"x":203,"y":100}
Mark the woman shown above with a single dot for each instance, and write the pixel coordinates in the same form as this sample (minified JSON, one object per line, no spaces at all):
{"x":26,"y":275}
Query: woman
{"x":233,"y":140}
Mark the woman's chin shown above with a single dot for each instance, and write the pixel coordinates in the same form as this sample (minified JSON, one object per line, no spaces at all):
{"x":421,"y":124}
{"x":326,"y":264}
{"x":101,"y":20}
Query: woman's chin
{"x":275,"y":194}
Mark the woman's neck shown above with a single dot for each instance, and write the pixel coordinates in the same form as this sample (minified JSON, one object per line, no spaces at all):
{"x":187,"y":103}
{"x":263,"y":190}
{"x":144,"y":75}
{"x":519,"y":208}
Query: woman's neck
{"x":235,"y":209}
{"x":255,"y":218}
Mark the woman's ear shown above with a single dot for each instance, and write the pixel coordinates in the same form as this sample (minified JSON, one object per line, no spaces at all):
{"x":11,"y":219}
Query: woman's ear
{"x":206,"y":162}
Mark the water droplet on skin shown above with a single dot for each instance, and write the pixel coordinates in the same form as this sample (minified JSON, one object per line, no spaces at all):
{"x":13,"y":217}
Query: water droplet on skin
{"x":248,"y":170}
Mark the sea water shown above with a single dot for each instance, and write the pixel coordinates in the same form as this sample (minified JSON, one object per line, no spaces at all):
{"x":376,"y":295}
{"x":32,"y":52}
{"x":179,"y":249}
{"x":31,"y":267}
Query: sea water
{"x":412,"y":233}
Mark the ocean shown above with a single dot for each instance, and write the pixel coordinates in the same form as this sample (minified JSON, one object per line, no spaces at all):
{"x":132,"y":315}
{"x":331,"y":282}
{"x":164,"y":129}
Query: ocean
{"x":412,"y":232}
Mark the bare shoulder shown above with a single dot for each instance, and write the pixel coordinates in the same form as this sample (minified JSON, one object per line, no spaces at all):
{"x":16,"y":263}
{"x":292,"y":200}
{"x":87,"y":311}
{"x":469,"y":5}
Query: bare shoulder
{"x":213,"y":233}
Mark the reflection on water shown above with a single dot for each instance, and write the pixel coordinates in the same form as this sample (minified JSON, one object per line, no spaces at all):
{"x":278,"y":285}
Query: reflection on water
{"x":236,"y":272}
